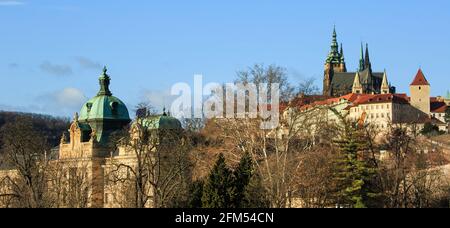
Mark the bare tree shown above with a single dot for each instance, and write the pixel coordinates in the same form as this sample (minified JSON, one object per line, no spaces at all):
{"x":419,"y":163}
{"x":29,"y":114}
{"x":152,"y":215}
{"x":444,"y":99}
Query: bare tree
{"x":307,"y":87}
{"x":155,"y":165}
{"x":259,"y":74}
{"x":25,"y":150}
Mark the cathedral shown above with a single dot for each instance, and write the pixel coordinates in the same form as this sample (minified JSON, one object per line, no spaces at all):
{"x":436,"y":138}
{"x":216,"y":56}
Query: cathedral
{"x":338,"y":81}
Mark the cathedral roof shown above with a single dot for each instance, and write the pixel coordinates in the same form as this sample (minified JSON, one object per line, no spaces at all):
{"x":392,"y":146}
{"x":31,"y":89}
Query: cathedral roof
{"x":344,"y":81}
{"x":420,"y":79}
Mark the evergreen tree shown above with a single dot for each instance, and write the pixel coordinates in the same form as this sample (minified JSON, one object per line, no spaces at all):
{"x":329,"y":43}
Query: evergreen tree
{"x":353,"y":175}
{"x":218,"y":189}
{"x":430,"y":129}
{"x":196,"y":192}
{"x":242,"y":177}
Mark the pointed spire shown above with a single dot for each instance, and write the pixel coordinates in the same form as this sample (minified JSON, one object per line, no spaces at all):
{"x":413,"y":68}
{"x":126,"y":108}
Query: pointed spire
{"x":385,"y":80}
{"x":361,"y":60}
{"x":357,"y":86}
{"x":104,"y":81}
{"x":334,"y":55}
{"x":342,"y":53}
{"x":334,"y":43}
{"x":75,"y":117}
{"x":367,"y":64}
{"x":385,"y":88}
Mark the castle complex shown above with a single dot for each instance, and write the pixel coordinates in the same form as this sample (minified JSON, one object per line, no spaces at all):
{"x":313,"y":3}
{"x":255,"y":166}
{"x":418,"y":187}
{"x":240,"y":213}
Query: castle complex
{"x":367,"y":97}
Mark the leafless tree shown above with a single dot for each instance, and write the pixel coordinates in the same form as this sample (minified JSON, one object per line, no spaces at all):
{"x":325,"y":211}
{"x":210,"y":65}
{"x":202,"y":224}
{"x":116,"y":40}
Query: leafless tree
{"x":25,"y":150}
{"x":158,"y":167}
{"x":259,"y":74}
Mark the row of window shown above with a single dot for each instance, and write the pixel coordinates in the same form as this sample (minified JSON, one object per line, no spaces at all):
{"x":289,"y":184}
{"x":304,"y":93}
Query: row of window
{"x":438,"y":115}
{"x":372,"y":107}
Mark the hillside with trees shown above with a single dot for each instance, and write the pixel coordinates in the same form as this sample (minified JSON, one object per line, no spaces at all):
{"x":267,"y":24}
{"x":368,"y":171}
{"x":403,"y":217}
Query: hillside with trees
{"x":50,"y":127}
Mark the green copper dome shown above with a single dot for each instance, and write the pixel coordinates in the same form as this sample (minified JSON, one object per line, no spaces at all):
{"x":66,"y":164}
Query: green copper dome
{"x":104,"y":105}
{"x":164,"y":122}
{"x":104,"y":113}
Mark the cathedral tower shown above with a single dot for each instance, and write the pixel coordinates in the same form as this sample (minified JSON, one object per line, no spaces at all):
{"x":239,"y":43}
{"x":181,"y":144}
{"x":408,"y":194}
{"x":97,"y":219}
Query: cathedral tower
{"x":334,"y":63}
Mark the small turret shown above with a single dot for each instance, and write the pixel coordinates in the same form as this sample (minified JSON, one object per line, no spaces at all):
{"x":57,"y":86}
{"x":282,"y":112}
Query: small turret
{"x":357,"y":86}
{"x":385,"y":88}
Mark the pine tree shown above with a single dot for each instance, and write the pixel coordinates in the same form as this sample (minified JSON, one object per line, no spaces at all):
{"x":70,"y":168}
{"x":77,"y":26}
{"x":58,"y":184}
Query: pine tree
{"x":353,"y":175}
{"x":217,"y":192}
{"x":242,"y":177}
{"x":196,"y":194}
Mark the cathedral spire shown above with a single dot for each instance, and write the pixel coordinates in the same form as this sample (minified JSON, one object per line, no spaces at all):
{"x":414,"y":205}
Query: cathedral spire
{"x":334,"y":43}
{"x":104,"y":81}
{"x":367,"y":64}
{"x":361,"y":60}
{"x":342,"y":53}
{"x":334,"y":56}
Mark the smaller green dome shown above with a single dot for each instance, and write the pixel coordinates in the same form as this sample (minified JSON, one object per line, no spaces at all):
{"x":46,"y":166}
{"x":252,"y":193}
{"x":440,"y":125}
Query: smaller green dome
{"x":164,"y":122}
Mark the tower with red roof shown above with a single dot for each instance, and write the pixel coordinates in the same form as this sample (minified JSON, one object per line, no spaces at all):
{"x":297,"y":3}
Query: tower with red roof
{"x":420,"y":93}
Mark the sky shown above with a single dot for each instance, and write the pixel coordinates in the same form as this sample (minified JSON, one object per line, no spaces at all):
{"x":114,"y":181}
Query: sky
{"x":52,"y":51}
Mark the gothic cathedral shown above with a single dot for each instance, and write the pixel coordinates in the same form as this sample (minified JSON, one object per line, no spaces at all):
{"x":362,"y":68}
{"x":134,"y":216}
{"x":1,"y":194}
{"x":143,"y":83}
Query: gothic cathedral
{"x":338,"y":82}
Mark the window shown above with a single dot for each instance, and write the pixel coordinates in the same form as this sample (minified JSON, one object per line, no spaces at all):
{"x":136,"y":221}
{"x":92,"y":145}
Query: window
{"x":89,"y":107}
{"x":114,"y":107}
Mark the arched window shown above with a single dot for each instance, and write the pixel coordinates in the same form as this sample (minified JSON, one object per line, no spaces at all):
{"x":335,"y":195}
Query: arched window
{"x":89,"y":107}
{"x":114,"y":107}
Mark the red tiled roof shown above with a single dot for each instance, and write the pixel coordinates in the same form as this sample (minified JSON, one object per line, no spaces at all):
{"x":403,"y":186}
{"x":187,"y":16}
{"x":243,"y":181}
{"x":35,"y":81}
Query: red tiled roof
{"x":382,"y":98}
{"x":357,"y":99}
{"x":420,"y":79}
{"x":438,"y":106}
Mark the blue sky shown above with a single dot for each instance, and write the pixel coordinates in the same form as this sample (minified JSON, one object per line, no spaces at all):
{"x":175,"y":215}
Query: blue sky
{"x":52,"y":51}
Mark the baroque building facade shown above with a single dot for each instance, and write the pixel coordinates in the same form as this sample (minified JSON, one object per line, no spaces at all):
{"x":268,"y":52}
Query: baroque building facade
{"x":90,"y":166}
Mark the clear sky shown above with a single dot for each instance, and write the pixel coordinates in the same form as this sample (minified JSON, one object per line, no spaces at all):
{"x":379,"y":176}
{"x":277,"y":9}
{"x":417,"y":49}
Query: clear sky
{"x":52,"y":51}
